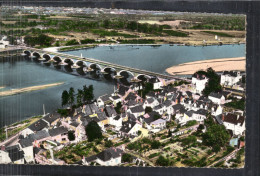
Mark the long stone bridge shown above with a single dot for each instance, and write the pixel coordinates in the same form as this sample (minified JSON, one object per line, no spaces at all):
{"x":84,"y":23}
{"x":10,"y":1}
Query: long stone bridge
{"x":92,"y":64}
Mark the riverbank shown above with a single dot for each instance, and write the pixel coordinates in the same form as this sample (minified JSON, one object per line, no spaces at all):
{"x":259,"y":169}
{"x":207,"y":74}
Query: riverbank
{"x":2,"y":87}
{"x":28,"y":89}
{"x":219,"y":65}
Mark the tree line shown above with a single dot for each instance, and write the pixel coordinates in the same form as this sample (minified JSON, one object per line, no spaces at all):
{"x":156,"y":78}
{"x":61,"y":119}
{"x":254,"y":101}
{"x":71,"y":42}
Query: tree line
{"x":84,"y":95}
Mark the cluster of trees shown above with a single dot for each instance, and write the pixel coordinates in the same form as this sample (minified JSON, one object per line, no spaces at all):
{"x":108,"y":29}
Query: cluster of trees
{"x":216,"y":135}
{"x":237,"y":104}
{"x":84,"y":95}
{"x":220,"y":23}
{"x":41,"y":39}
{"x":127,"y":158}
{"x":162,"y":161}
{"x":93,"y":131}
{"x":213,"y":84}
{"x":118,"y":108}
{"x":72,"y":42}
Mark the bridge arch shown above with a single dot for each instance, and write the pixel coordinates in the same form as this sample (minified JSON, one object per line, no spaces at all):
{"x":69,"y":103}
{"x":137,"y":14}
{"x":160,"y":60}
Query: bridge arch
{"x":95,"y":66}
{"x":28,"y":53}
{"x":109,"y":69}
{"x":80,"y":63}
{"x":143,"y":75}
{"x":47,"y":57}
{"x":57,"y":59}
{"x":128,"y":72}
{"x":36,"y":54}
{"x":68,"y":61}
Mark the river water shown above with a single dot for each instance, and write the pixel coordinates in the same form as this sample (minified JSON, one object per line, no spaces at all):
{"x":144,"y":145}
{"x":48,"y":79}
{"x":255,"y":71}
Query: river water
{"x":19,"y":73}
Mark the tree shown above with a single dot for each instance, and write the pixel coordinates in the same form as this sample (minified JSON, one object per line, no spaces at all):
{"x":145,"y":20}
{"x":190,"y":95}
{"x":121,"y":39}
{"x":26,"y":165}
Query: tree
{"x":93,"y":131}
{"x":71,"y":135}
{"x":161,"y":161}
{"x":64,"y":98}
{"x":169,"y":133}
{"x":127,"y":158}
{"x":88,"y":94}
{"x":108,"y":143}
{"x":79,"y":97}
{"x":189,"y":140}
{"x":216,"y":136}
{"x":148,"y":109}
{"x":71,"y":96}
{"x":155,"y":144}
{"x":118,"y":107}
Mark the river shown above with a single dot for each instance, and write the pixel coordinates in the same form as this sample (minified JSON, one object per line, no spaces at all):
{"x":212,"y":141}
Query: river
{"x":19,"y":73}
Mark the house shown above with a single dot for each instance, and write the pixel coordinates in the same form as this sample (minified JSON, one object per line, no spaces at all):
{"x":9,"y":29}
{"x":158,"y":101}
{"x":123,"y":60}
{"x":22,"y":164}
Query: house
{"x":59,"y":134}
{"x":4,"y":156}
{"x":39,"y":137}
{"x":199,"y":81}
{"x":230,"y":78}
{"x":215,"y":111}
{"x":110,"y":112}
{"x":108,"y":157}
{"x":122,"y":90}
{"x":26,"y":145}
{"x":160,"y":109}
{"x":217,"y":98}
{"x":90,"y":109}
{"x":235,"y":123}
{"x":16,"y":154}
{"x":129,"y":129}
{"x":157,"y":84}
{"x":115,"y":99}
{"x":178,"y":109}
{"x":168,"y":107}
{"x":37,"y":126}
{"x":117,"y":122}
{"x":52,"y":119}
{"x":150,"y":102}
{"x":103,"y":100}
{"x":158,"y":124}
{"x":137,"y":110}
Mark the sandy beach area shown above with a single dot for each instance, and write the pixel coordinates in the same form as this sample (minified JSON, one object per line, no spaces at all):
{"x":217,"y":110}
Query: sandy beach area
{"x":28,"y":89}
{"x":1,"y":87}
{"x":224,"y":64}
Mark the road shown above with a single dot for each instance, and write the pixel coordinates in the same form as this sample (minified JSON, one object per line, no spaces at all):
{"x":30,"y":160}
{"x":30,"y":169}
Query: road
{"x":11,"y":141}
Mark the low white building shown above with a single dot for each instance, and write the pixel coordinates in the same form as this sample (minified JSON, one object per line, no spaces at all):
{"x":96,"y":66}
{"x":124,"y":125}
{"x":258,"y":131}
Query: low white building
{"x":217,"y":98}
{"x":230,"y":78}
{"x":4,"y":156}
{"x":27,"y":146}
{"x":199,"y":82}
{"x":108,"y":157}
{"x":235,"y":123}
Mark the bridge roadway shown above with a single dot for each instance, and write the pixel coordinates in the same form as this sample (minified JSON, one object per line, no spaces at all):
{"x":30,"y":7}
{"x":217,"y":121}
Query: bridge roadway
{"x":106,"y":64}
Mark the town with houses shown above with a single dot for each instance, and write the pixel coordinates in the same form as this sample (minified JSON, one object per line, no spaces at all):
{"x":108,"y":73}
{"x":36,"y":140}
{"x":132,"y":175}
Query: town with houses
{"x":165,"y":127}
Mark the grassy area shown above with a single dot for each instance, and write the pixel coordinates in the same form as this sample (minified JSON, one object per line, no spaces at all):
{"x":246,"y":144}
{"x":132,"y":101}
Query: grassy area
{"x":76,"y":47}
{"x":24,"y":124}
{"x":237,"y":104}
{"x":141,"y":41}
{"x":103,"y":33}
{"x":175,"y":33}
{"x":221,"y":34}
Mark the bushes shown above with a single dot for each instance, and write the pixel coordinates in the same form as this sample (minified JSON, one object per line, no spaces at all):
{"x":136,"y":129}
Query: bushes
{"x":153,"y":155}
{"x":222,"y":34}
{"x":237,"y":104}
{"x":108,"y":144}
{"x":86,"y":41}
{"x":127,"y":158}
{"x":175,"y":33}
{"x":41,"y":39}
{"x":162,"y":161}
{"x":72,"y":42}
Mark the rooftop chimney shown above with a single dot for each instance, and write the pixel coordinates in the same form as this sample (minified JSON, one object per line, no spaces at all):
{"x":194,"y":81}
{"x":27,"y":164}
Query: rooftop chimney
{"x":129,"y":125}
{"x":223,"y":117}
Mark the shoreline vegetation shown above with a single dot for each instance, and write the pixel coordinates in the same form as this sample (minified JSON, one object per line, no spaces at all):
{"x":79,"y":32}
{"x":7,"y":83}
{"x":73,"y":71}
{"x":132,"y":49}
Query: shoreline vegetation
{"x":219,"y":65}
{"x":28,"y":89}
